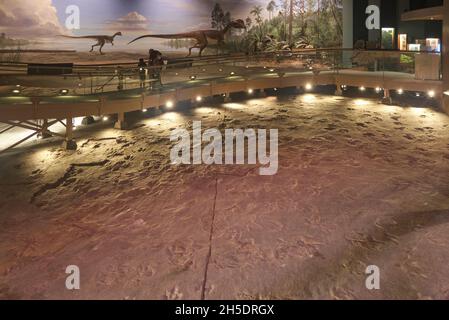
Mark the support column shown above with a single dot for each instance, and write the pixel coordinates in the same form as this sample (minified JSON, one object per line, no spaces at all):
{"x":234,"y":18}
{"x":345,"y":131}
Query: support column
{"x":44,"y":133}
{"x":387,"y":97}
{"x":445,"y":57}
{"x":348,"y":31}
{"x":69,"y":143}
{"x":120,"y":124}
{"x":227,"y":97}
{"x":338,"y":91}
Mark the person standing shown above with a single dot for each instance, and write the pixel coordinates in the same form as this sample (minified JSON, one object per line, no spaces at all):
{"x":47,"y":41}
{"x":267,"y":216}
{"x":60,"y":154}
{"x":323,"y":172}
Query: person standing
{"x":156,"y":62}
{"x":142,"y":72}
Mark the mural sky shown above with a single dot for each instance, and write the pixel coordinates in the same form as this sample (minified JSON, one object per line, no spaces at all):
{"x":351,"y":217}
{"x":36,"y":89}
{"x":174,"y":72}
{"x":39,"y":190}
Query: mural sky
{"x":42,"y":20}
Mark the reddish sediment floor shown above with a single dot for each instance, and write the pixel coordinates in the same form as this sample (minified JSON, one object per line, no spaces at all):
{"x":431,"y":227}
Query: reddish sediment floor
{"x":359,"y":184}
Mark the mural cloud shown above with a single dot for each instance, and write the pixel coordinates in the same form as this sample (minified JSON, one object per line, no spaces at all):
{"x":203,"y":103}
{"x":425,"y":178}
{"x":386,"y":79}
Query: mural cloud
{"x":133,"y":21}
{"x":29,"y":18}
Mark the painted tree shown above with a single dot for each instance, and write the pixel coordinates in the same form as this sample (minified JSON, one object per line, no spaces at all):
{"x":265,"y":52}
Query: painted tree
{"x":270,"y":8}
{"x":257,"y":13}
{"x":220,"y":19}
{"x":249,"y":22}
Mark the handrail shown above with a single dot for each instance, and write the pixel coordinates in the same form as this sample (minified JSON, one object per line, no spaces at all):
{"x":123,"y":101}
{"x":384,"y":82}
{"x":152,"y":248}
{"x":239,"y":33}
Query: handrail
{"x":304,"y":60}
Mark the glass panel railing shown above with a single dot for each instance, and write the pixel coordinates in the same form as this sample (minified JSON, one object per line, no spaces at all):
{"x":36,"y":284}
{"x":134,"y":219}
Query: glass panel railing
{"x":16,"y":80}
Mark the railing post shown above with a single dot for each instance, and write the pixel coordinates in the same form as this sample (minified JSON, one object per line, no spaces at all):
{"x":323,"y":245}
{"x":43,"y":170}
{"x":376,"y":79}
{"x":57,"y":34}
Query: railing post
{"x":69,"y":143}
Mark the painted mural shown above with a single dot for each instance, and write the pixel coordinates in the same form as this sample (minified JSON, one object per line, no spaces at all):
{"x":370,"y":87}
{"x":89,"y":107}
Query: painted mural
{"x":110,"y":27}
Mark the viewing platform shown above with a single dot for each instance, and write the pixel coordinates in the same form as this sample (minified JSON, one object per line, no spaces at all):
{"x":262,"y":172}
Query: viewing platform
{"x":35,"y":102}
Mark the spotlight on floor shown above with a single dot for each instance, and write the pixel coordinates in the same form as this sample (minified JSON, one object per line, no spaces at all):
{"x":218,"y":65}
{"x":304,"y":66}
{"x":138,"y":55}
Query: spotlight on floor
{"x":170,"y":104}
{"x":362,"y":89}
{"x":199,"y":99}
{"x":400,"y":91}
{"x":309,"y":86}
{"x":63,"y":92}
{"x":431,"y":94}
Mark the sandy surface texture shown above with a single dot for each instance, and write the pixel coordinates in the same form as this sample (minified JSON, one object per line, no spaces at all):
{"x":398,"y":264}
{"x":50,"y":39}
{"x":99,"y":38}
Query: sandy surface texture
{"x":359,"y":184}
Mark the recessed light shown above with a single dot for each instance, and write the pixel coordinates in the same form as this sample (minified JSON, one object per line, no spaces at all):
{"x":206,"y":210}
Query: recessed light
{"x":400,"y":91}
{"x":250,"y":91}
{"x":199,"y":99}
{"x":362,"y":88}
{"x":431,"y":93}
{"x":309,"y":86}
{"x":169,"y":104}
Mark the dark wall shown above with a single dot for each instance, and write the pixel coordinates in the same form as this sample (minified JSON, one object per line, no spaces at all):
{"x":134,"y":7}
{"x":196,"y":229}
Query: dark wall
{"x":360,"y":31}
{"x":421,"y":4}
{"x":391,"y":11}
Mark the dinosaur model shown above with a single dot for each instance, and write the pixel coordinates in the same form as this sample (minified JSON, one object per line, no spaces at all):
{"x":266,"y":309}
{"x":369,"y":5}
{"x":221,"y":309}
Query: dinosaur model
{"x":201,"y":36}
{"x":101,"y":40}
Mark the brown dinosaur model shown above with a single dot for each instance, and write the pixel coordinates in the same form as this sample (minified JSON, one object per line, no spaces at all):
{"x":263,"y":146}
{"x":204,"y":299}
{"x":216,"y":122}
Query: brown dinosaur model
{"x":201,"y":36}
{"x":101,"y":40}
